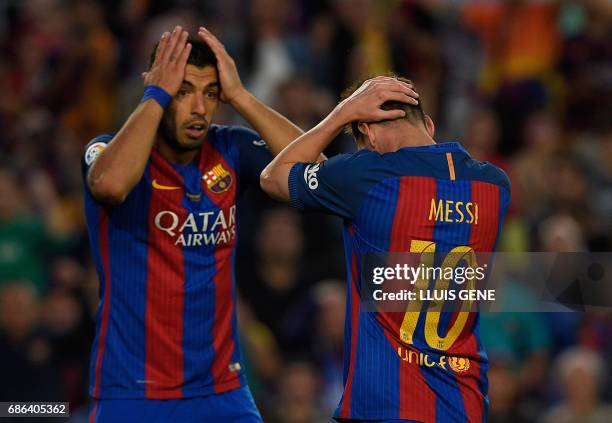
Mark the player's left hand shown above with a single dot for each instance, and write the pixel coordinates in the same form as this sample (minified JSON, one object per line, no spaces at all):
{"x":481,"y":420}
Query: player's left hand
{"x":231,"y":86}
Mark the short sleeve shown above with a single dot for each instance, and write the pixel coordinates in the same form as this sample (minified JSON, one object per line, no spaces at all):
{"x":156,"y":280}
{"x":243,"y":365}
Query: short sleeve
{"x":334,"y":186}
{"x":92,"y":150}
{"x":253,"y":154}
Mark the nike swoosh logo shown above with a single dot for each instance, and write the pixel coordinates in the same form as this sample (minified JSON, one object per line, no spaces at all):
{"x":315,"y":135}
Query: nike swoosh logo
{"x":165,"y":187}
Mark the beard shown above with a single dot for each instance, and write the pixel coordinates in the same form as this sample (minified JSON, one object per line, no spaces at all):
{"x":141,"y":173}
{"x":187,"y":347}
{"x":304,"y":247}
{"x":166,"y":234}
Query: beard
{"x":167,"y":131}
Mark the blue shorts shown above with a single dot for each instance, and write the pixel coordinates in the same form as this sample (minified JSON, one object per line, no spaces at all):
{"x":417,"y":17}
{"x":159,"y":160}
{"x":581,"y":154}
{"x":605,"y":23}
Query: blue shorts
{"x":232,"y":406}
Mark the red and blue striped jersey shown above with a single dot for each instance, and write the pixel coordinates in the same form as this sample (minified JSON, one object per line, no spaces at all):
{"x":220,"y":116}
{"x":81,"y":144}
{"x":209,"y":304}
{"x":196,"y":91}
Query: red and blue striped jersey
{"x":166,"y":322}
{"x":386,"y":202}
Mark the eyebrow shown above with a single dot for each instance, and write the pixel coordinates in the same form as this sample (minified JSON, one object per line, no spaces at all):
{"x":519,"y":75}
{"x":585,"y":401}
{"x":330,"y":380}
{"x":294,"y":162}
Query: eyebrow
{"x":212,"y":85}
{"x":207,"y":87}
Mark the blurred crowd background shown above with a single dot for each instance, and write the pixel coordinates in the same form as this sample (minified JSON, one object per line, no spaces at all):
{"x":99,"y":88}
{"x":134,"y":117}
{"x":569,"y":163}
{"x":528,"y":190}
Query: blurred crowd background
{"x":526,"y":85}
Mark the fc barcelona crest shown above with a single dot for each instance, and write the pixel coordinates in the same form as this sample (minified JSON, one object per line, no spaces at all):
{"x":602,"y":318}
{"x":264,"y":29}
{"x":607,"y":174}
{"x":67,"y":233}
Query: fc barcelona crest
{"x":218,"y":179}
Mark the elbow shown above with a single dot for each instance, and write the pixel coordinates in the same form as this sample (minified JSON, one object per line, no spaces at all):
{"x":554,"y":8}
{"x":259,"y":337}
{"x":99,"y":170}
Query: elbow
{"x":106,"y":190}
{"x":267,"y":183}
{"x":274,"y":185}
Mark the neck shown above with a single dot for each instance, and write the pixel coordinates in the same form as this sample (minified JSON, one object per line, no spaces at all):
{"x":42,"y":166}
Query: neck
{"x":407,"y":136}
{"x":176,"y":156}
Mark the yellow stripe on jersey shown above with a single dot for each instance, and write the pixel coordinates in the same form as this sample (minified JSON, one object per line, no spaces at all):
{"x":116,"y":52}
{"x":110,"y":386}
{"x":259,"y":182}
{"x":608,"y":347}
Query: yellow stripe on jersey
{"x":451,"y":166}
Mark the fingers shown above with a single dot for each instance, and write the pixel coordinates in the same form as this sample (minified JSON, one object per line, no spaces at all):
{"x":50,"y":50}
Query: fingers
{"x":184,"y":55}
{"x":396,"y":92}
{"x":213,"y":42}
{"x":394,"y":84}
{"x":161,"y":47}
{"x":179,"y":48}
{"x":178,"y":37}
{"x":390,"y":114}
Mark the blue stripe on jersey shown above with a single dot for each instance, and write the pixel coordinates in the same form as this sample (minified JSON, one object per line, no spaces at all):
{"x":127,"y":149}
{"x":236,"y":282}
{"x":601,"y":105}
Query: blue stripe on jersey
{"x":376,"y":362}
{"x":93,"y":215}
{"x":126,"y":227}
{"x":200,"y":269}
{"x":237,"y":353}
{"x":447,"y":236}
{"x":378,"y":210}
{"x":348,"y":324}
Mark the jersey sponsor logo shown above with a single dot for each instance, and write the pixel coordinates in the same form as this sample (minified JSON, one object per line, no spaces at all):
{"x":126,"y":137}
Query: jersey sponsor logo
{"x":218,"y":179}
{"x":450,"y":211}
{"x":157,"y":185}
{"x":310,"y":176}
{"x":93,"y":151}
{"x":199,"y":229}
{"x":412,"y":356}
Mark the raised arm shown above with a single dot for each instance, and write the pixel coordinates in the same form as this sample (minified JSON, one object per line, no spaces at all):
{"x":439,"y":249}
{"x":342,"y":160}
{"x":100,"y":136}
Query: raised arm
{"x":273,"y":127}
{"x":363,"y":105}
{"x":121,"y":165}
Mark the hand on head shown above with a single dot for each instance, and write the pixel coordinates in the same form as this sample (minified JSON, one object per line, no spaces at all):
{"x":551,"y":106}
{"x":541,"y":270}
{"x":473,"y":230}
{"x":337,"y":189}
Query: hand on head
{"x":231,"y":86}
{"x":168,"y":68}
{"x":364,"y":104}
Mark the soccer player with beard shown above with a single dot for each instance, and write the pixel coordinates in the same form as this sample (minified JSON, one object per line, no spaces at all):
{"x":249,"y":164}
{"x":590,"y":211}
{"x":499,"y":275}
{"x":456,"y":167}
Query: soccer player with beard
{"x":401,"y":192}
{"x":162,"y":206}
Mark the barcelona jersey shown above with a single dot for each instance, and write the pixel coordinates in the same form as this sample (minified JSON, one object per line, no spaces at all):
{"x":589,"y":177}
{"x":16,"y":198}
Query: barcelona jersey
{"x":434,"y":197}
{"x":166,"y":322}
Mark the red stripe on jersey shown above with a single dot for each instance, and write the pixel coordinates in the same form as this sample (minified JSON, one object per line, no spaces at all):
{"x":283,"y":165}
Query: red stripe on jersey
{"x":417,"y":400}
{"x":345,"y":409}
{"x":484,"y":233}
{"x":483,"y":236}
{"x":468,"y":381}
{"x":106,"y":300}
{"x":223,"y":341}
{"x":93,"y":412}
{"x":165,"y":287}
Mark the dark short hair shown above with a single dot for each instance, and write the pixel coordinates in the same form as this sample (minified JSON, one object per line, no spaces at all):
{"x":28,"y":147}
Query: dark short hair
{"x":200,"y":55}
{"x":414,"y":113}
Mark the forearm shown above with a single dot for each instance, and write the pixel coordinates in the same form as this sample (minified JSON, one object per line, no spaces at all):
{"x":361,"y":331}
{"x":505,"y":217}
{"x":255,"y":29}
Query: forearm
{"x":307,"y":148}
{"x":121,"y":165}
{"x":274,"y":128}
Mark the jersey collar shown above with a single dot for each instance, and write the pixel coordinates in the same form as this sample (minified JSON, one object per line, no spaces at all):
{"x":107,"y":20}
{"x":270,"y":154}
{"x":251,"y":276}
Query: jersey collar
{"x":438,"y":147}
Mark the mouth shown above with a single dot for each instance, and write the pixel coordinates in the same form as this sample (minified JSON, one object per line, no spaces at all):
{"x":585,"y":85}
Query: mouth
{"x":196,"y":129}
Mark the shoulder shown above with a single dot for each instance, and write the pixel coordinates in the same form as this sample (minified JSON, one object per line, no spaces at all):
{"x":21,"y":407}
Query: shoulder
{"x":234,"y":138}
{"x":345,"y":170}
{"x":232,"y":132}
{"x":358,"y":159}
{"x":95,"y":146}
{"x":488,"y":172}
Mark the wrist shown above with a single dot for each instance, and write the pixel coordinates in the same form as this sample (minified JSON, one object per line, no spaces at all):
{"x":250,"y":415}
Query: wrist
{"x":158,"y":94}
{"x":339,"y":118}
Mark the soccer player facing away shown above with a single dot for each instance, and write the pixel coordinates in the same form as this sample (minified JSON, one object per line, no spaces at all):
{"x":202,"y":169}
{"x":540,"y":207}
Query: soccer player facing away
{"x":162,"y":209}
{"x":385,"y":193}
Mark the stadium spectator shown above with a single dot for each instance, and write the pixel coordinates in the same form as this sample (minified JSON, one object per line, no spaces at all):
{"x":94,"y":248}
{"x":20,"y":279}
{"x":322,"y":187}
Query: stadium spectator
{"x":580,"y":374}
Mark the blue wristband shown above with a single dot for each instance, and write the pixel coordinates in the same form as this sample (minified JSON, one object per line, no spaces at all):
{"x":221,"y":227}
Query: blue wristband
{"x":158,"y":94}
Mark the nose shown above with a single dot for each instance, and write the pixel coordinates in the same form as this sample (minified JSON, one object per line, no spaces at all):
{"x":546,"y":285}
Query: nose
{"x":198,"y":105}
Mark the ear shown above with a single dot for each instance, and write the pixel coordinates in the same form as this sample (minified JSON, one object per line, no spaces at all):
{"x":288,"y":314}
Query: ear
{"x":367,"y":135}
{"x":429,"y":125}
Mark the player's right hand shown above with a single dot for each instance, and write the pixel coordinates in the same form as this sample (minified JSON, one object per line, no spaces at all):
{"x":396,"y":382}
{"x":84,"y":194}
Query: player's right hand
{"x":168,"y":69}
{"x":364,"y":104}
